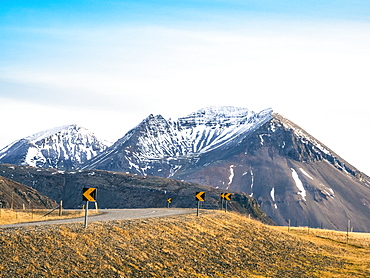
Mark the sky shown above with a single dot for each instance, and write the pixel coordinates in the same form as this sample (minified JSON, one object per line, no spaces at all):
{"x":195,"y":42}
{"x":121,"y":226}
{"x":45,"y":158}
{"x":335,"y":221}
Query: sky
{"x":108,"y":64}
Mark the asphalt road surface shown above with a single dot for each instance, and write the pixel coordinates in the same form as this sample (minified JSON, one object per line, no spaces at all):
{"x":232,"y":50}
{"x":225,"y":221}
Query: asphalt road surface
{"x":110,"y":215}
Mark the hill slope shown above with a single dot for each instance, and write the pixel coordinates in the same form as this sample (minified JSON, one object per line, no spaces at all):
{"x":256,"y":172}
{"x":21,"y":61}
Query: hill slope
{"x":16,"y":195}
{"x":213,"y":245}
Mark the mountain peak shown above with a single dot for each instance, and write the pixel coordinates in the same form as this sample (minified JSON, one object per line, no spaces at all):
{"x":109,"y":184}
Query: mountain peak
{"x":223,"y":116}
{"x":221,"y":111}
{"x":226,"y":111}
{"x":61,"y":129}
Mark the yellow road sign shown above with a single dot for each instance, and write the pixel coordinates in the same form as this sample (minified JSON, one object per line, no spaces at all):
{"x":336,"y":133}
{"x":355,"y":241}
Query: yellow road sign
{"x":169,"y":200}
{"x":226,"y":196}
{"x":89,"y":194}
{"x":200,"y":196}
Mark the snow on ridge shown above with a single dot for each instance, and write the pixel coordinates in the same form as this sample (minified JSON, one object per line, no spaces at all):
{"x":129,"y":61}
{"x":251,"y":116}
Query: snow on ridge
{"x":72,"y":130}
{"x":199,"y":132}
{"x":222,"y":123}
{"x":46,"y":133}
{"x":226,"y":114}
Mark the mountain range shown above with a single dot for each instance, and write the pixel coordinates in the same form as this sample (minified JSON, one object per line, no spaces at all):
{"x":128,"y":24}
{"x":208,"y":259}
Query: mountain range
{"x":294,"y":177}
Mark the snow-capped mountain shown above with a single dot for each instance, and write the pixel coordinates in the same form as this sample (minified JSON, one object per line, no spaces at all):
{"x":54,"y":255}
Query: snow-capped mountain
{"x":65,"y":147}
{"x":291,"y":174}
{"x":156,"y":139}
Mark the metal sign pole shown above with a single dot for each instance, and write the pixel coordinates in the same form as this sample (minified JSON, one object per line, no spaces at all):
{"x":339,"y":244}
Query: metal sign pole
{"x":89,"y":194}
{"x":60,"y":208}
{"x":199,"y":197}
{"x":86,"y":213}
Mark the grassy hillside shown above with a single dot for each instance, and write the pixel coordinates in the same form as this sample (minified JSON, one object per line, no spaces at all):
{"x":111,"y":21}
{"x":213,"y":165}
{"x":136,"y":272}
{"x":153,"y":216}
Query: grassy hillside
{"x":215,"y":244}
{"x":8,"y":216}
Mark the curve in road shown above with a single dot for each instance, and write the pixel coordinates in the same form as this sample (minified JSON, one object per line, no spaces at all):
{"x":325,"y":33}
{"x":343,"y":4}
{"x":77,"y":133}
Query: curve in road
{"x":109,"y":215}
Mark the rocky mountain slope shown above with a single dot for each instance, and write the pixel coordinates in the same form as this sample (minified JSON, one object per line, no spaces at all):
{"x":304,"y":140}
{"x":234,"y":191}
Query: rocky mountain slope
{"x":119,"y":190}
{"x":291,"y":174}
{"x":65,"y":147}
{"x":155,"y":145}
{"x":17,"y":196}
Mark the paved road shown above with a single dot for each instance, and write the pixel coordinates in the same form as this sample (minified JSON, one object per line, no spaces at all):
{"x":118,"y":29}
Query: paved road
{"x":110,"y":215}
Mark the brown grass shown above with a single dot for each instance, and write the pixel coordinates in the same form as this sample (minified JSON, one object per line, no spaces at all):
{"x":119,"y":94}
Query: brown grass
{"x":354,"y":248}
{"x":8,"y":216}
{"x":214,"y":244}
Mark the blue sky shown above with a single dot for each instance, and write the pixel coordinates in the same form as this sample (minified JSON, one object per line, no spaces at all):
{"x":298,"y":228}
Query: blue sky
{"x":106,"y":65}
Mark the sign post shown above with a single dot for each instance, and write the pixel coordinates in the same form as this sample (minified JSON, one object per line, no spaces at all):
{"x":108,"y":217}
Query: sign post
{"x":200,"y":197}
{"x":169,"y":201}
{"x":226,"y":197}
{"x":222,"y":201}
{"x":86,"y":213}
{"x":88,"y":194}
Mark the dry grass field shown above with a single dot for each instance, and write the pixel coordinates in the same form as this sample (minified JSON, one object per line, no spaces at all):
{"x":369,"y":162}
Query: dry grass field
{"x":215,"y":244}
{"x":8,"y":216}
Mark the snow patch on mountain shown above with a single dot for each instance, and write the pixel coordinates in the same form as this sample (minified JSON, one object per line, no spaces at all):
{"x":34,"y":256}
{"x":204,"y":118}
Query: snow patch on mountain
{"x":272,"y":194}
{"x":47,"y":133}
{"x":231,"y":177}
{"x":299,"y":184}
{"x":305,"y":173}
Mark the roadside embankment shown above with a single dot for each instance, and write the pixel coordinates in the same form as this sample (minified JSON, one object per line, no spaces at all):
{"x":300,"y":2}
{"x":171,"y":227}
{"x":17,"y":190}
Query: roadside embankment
{"x":215,"y":244}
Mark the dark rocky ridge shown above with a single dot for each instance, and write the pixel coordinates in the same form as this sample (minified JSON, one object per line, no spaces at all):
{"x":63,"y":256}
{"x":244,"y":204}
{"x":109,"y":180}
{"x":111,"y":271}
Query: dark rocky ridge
{"x":119,"y":190}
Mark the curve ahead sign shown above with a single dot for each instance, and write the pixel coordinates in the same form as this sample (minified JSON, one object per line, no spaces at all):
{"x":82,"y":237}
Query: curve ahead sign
{"x":89,"y":194}
{"x":200,"y":196}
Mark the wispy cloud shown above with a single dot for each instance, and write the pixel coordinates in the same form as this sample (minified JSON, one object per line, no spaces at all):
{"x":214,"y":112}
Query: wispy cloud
{"x":143,"y":61}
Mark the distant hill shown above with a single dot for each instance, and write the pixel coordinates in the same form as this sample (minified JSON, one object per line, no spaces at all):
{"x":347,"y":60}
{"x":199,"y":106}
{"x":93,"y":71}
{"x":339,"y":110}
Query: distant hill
{"x":119,"y":190}
{"x":16,"y":195}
